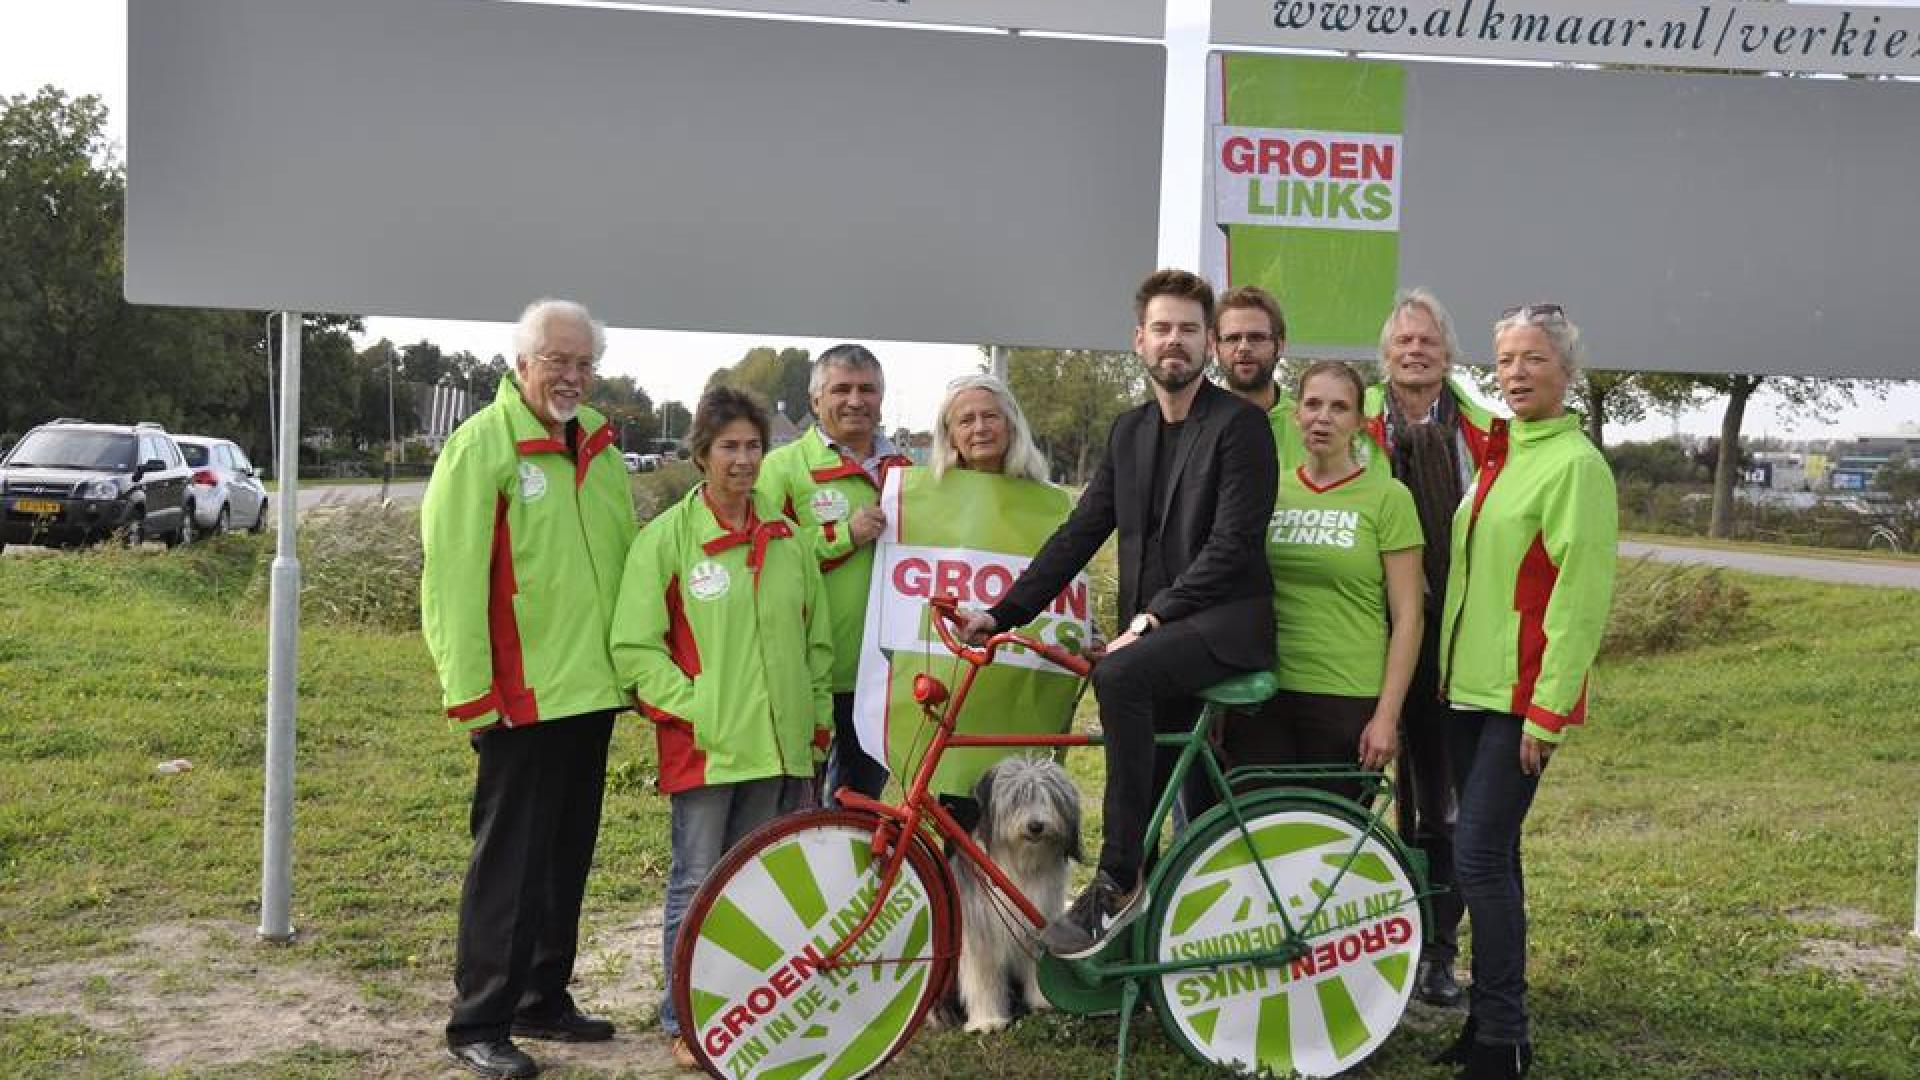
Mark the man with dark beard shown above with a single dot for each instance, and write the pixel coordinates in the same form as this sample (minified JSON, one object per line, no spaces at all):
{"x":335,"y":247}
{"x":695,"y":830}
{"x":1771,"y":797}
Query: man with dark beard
{"x":1188,"y":481}
{"x":1252,"y":333}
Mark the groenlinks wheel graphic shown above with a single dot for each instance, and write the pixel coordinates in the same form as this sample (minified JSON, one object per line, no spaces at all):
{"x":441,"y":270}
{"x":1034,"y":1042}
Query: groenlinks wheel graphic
{"x":749,"y":978}
{"x":1322,"y":1012}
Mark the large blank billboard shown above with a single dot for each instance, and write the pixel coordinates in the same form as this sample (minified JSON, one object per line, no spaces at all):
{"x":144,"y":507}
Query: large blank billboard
{"x":1702,"y":223}
{"x":456,"y":158}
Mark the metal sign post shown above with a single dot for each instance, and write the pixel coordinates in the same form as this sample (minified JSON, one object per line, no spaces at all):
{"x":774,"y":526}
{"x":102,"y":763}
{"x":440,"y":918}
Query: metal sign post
{"x":283,"y":649}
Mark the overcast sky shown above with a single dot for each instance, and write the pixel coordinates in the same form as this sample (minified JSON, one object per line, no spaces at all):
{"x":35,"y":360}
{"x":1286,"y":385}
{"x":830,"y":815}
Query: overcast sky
{"x":80,"y":46}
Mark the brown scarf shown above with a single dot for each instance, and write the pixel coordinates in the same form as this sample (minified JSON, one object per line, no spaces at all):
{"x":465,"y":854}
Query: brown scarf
{"x":1426,"y":458}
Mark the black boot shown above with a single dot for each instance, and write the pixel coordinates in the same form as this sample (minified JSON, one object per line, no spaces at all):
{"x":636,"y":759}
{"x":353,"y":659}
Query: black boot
{"x":1462,"y":1047}
{"x":1497,"y":1061}
{"x":1434,"y":984}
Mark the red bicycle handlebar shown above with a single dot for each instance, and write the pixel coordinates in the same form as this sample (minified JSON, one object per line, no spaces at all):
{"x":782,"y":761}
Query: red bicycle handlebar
{"x":946,"y":612}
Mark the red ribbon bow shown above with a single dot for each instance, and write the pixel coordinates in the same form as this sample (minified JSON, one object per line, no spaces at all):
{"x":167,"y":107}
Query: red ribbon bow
{"x":756,"y":532}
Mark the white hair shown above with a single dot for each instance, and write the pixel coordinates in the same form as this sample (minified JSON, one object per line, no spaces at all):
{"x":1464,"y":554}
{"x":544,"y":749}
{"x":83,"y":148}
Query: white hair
{"x":1420,"y":297}
{"x":530,"y":333}
{"x":1024,"y":459}
{"x":1559,"y":330}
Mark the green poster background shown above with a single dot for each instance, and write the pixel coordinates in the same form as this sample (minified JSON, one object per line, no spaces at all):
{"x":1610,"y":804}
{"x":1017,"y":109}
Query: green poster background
{"x":1335,"y":285}
{"x":966,"y":510}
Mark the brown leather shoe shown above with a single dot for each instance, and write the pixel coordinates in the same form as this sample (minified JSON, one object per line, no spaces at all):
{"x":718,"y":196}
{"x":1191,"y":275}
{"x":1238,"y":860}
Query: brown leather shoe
{"x":683,"y":1055}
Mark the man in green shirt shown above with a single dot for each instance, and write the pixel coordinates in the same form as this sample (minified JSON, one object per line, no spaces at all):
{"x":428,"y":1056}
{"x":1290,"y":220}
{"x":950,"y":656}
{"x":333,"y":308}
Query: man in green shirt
{"x":828,"y":482}
{"x":1252,"y":334}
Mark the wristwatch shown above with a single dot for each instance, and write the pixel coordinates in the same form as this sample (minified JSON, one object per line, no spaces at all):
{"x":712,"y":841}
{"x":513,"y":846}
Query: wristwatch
{"x":1141,"y":625}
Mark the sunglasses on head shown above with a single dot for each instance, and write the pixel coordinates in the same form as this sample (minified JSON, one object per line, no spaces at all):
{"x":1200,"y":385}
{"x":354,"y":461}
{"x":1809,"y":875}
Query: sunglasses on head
{"x":1551,"y":311}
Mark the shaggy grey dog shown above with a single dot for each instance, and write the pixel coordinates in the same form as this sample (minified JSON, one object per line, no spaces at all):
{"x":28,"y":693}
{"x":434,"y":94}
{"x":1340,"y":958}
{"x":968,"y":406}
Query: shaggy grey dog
{"x":1030,"y":826}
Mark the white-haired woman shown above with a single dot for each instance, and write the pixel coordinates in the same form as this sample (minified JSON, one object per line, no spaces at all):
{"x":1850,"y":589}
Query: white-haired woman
{"x":980,"y":426}
{"x":1527,"y":596}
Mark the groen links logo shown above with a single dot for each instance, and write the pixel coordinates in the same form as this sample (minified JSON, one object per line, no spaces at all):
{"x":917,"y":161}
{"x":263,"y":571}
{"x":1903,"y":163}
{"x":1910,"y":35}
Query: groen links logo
{"x":1331,"y":1001}
{"x":765,"y":1002}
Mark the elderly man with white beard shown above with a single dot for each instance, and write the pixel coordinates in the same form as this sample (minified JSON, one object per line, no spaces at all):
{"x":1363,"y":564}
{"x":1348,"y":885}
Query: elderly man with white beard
{"x":526,"y":526}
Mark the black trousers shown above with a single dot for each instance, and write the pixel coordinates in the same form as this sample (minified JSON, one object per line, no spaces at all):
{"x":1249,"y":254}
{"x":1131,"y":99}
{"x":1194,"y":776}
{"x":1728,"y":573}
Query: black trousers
{"x":1146,"y":688}
{"x":847,"y":764}
{"x":1426,"y":798}
{"x":1295,"y":728}
{"x":535,"y":818}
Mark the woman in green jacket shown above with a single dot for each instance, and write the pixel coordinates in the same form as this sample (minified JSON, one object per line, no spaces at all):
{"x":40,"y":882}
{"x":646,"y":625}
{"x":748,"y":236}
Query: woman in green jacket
{"x":721,"y":637}
{"x":1527,"y":597}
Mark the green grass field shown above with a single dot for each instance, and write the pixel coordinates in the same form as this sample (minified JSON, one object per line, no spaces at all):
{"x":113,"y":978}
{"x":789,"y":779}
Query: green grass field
{"x":1721,"y":870}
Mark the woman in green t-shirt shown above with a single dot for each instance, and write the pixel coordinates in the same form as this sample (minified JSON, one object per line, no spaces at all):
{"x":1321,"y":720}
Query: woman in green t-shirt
{"x":1344,"y":548}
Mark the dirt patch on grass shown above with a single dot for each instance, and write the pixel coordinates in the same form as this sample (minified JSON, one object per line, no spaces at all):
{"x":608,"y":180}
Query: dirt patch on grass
{"x":206,"y":993}
{"x":1849,"y":918}
{"x":1882,"y":967}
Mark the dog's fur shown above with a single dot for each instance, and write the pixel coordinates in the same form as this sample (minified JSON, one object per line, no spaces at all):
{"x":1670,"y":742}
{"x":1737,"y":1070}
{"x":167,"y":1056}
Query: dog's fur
{"x":1030,"y":826}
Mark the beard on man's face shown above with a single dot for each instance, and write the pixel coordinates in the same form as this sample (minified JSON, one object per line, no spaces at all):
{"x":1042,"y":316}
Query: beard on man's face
{"x":1174,"y":379}
{"x":1261,"y":379}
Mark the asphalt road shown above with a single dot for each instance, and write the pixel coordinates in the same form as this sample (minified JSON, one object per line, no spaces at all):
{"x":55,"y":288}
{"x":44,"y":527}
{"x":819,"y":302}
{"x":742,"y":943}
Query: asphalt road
{"x":1840,"y":571}
{"x":312,"y":495}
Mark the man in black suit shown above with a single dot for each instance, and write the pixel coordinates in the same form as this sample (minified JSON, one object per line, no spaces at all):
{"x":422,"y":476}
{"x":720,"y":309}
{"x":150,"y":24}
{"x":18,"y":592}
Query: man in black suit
{"x":1188,"y":480}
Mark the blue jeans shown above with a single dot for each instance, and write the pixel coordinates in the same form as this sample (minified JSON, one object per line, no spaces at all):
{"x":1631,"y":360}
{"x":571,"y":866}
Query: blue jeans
{"x":707,"y":822}
{"x":1483,"y":749}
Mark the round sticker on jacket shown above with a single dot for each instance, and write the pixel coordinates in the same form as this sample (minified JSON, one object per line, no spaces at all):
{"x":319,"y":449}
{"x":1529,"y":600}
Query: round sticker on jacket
{"x":828,"y":505}
{"x":533,"y":481}
{"x":708,"y":580}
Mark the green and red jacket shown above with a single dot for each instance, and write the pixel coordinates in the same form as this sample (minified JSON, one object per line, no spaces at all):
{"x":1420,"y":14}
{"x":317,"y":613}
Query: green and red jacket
{"x":1287,"y":438}
{"x":819,"y":488}
{"x":1475,"y":422}
{"x":1532,"y":578}
{"x":722,"y":634}
{"x":524,"y":546}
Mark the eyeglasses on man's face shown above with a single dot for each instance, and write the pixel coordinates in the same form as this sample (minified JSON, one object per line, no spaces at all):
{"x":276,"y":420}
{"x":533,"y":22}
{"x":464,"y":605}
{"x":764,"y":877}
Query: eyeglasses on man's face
{"x":560,"y":364}
{"x":1251,"y":339}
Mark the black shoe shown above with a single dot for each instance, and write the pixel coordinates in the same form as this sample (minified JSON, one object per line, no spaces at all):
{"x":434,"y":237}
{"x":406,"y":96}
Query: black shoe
{"x":570,"y":1026}
{"x":1462,"y":1047}
{"x":1497,"y":1061}
{"x":1095,"y":918}
{"x":497,"y":1058}
{"x":1435,"y":985}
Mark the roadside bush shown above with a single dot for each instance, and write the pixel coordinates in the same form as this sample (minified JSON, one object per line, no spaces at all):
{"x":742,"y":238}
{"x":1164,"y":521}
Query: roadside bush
{"x":360,"y":562}
{"x":655,"y":491}
{"x":359,"y":566}
{"x":1663,"y":607}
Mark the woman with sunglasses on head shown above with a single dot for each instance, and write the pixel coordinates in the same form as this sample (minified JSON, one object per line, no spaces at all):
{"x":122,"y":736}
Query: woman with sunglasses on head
{"x":1527,"y":597}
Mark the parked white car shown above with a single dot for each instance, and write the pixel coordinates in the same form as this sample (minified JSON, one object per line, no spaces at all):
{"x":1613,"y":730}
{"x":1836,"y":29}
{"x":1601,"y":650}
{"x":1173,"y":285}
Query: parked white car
{"x":226,"y":491}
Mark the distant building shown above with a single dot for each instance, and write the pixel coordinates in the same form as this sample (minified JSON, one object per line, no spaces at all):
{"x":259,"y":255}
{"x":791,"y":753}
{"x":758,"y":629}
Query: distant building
{"x":782,"y":430}
{"x":1776,"y":470}
{"x":440,"y":409}
{"x":1904,"y":445}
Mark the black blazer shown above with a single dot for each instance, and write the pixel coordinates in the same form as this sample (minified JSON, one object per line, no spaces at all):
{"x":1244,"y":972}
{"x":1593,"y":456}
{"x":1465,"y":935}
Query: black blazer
{"x":1214,"y":517}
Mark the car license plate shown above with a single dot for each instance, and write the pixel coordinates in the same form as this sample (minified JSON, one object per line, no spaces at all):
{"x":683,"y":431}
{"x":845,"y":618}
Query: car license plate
{"x":37,"y":506}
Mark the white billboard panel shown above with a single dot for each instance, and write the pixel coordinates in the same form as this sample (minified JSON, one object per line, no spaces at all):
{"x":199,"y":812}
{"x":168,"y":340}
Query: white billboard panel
{"x":451,"y":159}
{"x":1118,"y":18}
{"x":1722,"y":35}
